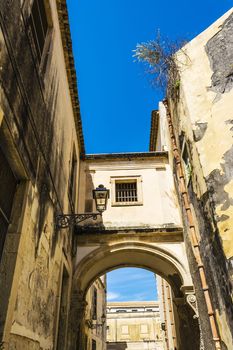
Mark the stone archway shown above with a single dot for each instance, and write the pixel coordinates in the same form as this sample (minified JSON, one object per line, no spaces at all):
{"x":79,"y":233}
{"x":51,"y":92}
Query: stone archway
{"x":165,"y":260}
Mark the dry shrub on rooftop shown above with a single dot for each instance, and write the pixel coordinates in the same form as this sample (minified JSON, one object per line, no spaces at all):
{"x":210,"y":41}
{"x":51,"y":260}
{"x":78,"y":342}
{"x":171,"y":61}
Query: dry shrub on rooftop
{"x":162,"y":62}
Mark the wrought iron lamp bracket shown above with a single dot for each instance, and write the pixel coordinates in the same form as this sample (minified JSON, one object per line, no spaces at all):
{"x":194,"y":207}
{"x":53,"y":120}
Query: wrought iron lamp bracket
{"x":70,"y":220}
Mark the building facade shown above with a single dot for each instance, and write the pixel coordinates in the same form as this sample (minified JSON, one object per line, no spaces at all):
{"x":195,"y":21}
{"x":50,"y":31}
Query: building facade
{"x":40,"y":147}
{"x":141,"y":227}
{"x":95,"y":318}
{"x":166,"y":307}
{"x":134,"y":325}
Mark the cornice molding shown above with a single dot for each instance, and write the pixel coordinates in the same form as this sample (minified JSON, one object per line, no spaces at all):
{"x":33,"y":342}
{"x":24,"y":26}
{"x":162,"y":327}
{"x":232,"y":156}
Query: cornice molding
{"x":70,"y":69}
{"x":126,"y":156}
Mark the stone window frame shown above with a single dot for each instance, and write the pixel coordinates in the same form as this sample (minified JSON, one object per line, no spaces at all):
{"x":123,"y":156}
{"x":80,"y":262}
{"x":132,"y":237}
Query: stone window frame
{"x":27,"y":11}
{"x":115,"y":179}
{"x":12,"y":249}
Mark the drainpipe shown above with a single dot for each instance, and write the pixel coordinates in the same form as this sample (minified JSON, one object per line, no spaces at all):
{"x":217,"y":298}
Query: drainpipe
{"x":192,"y":230}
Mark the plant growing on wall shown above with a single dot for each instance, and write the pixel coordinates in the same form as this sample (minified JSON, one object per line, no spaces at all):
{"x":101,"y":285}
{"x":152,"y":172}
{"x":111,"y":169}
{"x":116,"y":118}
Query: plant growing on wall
{"x":161,"y":60}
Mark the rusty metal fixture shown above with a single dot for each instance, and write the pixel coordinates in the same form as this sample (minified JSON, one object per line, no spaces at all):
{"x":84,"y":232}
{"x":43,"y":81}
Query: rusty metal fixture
{"x":192,"y":231}
{"x":69,"y":220}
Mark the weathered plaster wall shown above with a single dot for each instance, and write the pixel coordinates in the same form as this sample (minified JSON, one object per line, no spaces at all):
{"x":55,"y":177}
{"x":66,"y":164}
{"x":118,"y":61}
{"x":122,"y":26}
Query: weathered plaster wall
{"x":203,"y":117}
{"x":38,"y":130}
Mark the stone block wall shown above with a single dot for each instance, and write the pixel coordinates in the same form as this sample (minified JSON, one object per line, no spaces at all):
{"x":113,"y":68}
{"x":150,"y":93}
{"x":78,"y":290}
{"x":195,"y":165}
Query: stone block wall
{"x":40,"y":134}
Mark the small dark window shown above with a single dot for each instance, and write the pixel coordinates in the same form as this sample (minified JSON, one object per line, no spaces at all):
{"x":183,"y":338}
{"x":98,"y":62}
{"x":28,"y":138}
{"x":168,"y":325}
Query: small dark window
{"x":126,"y":191}
{"x":121,"y":311}
{"x":186,"y":163}
{"x":8,"y":183}
{"x":93,"y":345}
{"x":72,"y":182}
{"x":149,"y":310}
{"x":39,"y":26}
{"x":94,"y":304}
{"x":134,"y":310}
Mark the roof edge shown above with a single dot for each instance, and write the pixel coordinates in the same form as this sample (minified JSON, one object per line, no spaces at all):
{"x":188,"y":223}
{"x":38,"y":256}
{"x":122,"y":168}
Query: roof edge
{"x":130,"y":303}
{"x":63,"y":18}
{"x":128,"y":155}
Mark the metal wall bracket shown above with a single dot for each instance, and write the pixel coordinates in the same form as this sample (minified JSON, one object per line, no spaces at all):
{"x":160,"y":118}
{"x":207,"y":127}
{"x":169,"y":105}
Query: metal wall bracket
{"x":70,"y":220}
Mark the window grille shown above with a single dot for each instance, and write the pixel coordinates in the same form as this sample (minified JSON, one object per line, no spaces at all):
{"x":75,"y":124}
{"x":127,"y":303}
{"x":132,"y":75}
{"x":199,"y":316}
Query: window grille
{"x":72,"y":180}
{"x":126,"y":191}
{"x":8,"y":184}
{"x":39,"y":26}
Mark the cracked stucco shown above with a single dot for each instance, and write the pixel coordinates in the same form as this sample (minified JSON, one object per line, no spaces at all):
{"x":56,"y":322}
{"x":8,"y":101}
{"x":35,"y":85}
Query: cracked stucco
{"x":204,"y":115}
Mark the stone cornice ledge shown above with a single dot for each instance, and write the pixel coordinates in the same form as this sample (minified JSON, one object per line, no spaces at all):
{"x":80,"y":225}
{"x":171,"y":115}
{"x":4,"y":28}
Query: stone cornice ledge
{"x":127,"y":156}
{"x":159,"y":233}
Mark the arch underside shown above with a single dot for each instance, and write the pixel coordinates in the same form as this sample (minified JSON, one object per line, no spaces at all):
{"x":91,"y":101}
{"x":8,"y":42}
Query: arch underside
{"x":157,"y":259}
{"x":167,"y":260}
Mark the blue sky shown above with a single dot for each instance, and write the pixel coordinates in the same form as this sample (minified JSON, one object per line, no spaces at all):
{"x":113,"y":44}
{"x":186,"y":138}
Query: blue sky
{"x":116,"y":97}
{"x":131,"y":284}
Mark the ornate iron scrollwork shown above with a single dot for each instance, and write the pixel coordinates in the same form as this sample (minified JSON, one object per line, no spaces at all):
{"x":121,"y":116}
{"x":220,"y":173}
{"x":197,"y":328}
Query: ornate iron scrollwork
{"x":69,"y":220}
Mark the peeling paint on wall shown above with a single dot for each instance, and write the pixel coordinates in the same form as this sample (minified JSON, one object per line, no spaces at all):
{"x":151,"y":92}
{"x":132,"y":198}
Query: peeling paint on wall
{"x":220,"y":52}
{"x":206,"y":121}
{"x":200,"y":130}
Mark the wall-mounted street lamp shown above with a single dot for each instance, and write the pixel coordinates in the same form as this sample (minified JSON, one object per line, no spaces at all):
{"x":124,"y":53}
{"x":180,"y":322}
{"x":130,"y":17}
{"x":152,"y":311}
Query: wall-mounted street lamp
{"x":93,"y":325}
{"x":100,"y":195}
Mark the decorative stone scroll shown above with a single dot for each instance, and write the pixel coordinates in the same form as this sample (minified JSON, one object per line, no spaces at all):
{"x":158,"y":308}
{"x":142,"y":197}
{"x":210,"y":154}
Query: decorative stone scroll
{"x":192,"y":301}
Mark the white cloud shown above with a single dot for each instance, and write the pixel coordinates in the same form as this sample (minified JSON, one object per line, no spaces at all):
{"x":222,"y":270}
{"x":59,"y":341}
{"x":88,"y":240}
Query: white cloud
{"x":131,"y":284}
{"x":112,"y":296}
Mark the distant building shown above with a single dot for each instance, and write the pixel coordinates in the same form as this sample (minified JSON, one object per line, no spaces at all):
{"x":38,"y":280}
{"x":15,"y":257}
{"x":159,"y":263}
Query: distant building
{"x":95,"y":325}
{"x":134,"y":326}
